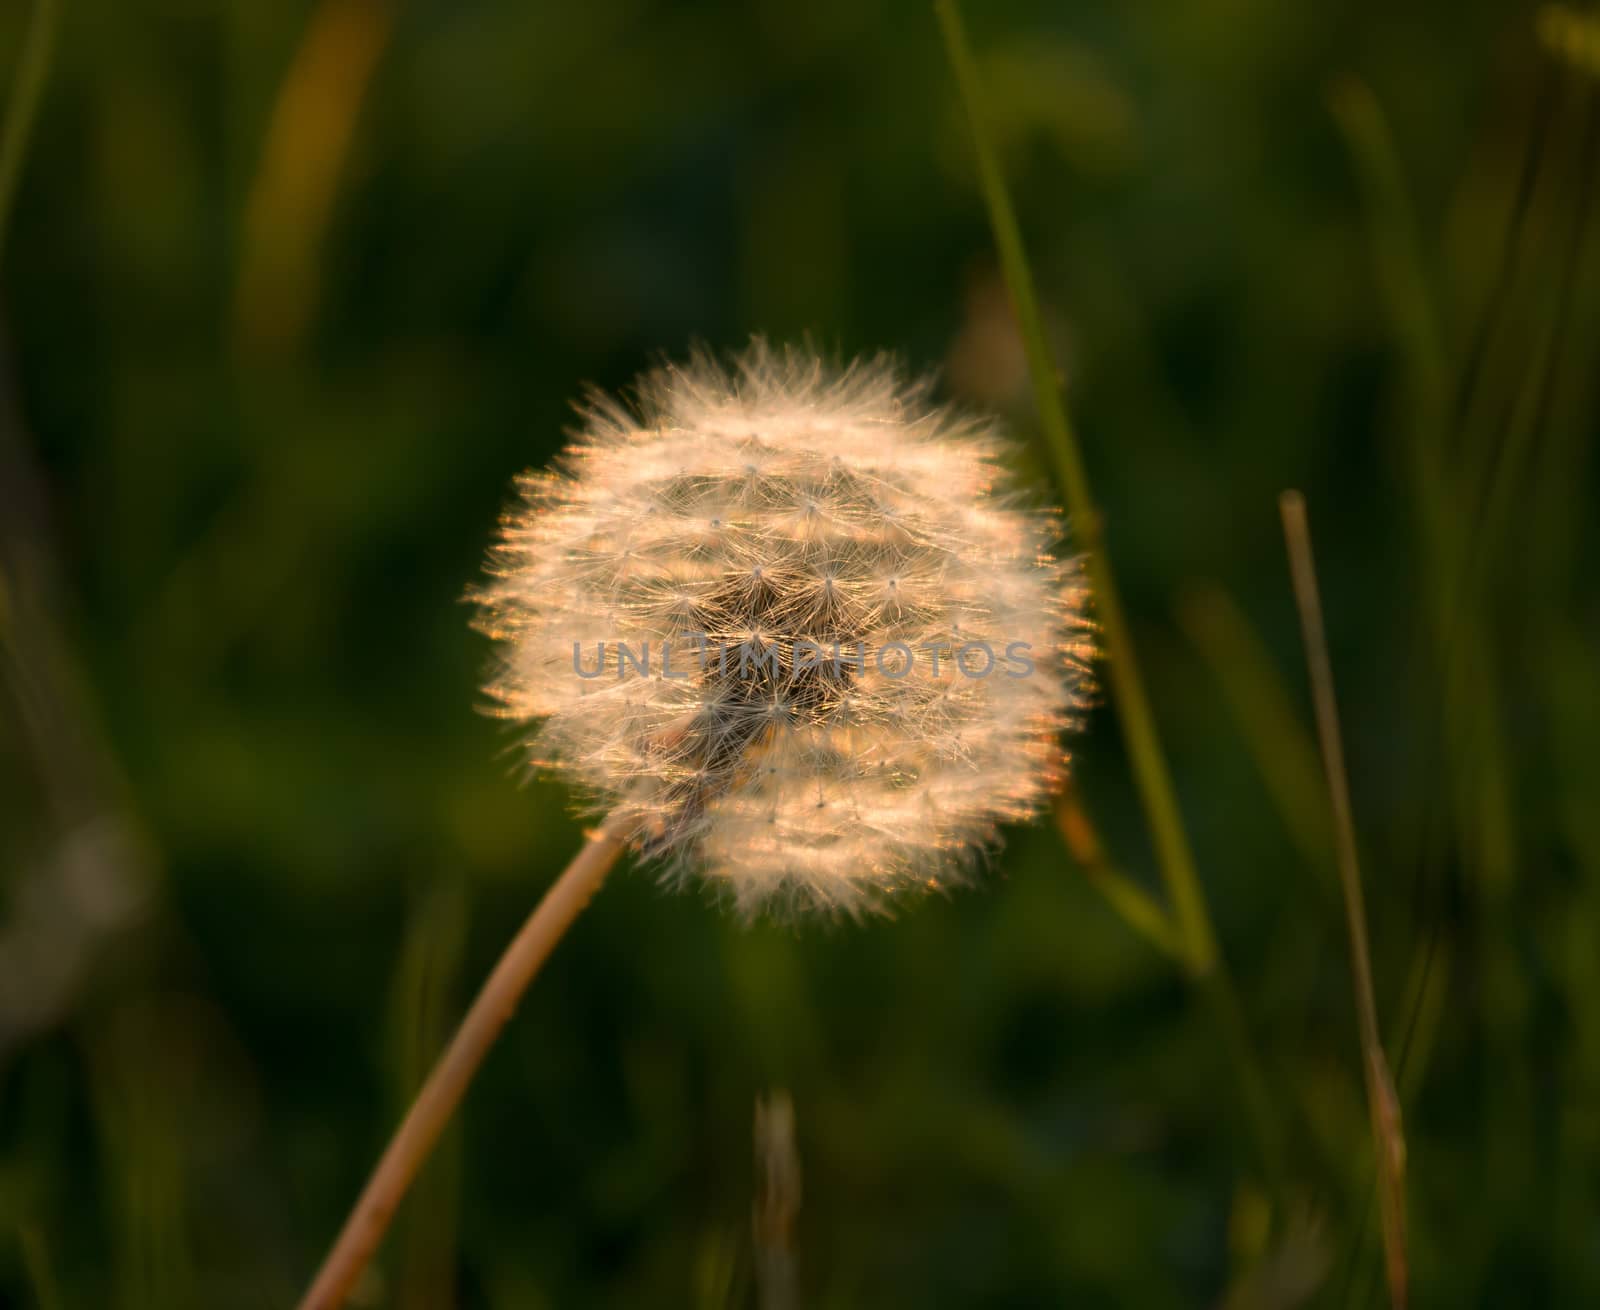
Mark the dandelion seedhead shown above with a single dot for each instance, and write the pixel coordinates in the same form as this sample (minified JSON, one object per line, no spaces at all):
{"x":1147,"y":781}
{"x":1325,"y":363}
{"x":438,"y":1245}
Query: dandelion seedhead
{"x":790,"y":628}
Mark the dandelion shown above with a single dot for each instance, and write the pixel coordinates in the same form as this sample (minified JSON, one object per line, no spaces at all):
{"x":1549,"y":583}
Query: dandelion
{"x":792,"y":628}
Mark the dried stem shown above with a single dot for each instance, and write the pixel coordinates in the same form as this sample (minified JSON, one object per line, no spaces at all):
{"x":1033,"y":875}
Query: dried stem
{"x":447,"y":1084}
{"x":1383,"y":1104}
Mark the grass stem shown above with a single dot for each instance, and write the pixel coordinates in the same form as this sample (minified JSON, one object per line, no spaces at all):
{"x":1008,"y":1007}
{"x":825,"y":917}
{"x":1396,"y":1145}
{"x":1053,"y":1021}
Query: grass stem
{"x":1382,"y":1102}
{"x":1136,"y":906}
{"x":1138,"y":724}
{"x":1189,"y":913}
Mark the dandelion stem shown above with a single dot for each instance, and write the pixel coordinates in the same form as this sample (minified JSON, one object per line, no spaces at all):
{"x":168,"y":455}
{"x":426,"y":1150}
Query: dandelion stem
{"x":24,"y":104}
{"x":1138,"y":724}
{"x":440,"y":1095}
{"x":1383,"y":1104}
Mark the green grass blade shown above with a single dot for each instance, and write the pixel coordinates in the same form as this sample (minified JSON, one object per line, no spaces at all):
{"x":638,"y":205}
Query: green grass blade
{"x":1136,"y":906}
{"x":1138,"y":724}
{"x":1189,"y":913}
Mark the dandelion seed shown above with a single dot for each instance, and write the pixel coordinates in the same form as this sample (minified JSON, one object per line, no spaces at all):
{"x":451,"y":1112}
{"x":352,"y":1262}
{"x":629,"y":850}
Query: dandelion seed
{"x":816,"y":533}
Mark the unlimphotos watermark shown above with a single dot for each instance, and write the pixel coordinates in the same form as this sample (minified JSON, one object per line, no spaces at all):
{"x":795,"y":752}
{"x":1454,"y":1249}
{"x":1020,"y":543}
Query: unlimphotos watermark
{"x":756,"y":657}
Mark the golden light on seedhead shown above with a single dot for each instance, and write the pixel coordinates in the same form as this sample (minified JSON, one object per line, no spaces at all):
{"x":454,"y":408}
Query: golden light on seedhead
{"x":792,"y":627}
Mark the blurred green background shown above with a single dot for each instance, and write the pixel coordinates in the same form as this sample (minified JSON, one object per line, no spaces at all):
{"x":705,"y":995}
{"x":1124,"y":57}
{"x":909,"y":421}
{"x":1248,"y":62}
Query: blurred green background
{"x":291,"y":291}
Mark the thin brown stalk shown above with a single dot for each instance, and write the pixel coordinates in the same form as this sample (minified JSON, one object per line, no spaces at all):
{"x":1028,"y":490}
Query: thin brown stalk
{"x":437,"y":1101}
{"x":1382,"y":1103}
